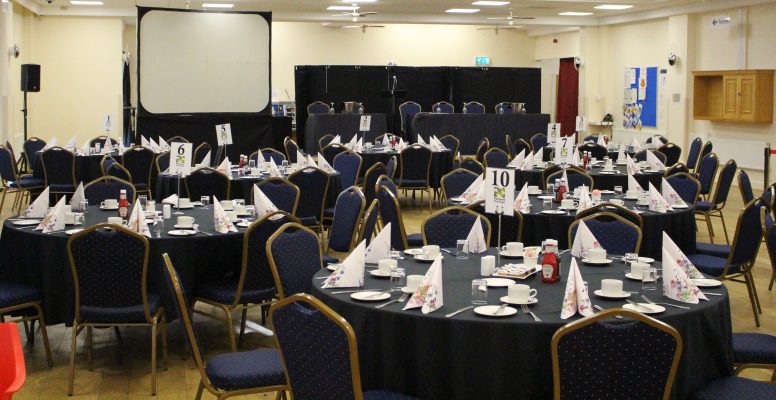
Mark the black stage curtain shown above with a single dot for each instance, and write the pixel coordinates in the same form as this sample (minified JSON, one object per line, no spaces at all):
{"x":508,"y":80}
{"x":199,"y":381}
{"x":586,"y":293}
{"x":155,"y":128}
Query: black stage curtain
{"x":127,"y":102}
{"x":491,"y":86}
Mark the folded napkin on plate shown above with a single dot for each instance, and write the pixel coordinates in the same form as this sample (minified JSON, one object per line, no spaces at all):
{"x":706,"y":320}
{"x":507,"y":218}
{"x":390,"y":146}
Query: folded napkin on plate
{"x":657,"y":202}
{"x":137,"y":221}
{"x":632,"y":167}
{"x":300,"y":158}
{"x":107,"y":147}
{"x":353,"y":142}
{"x":633,"y":184}
{"x":585,"y":201}
{"x":584,"y":240}
{"x":654,"y":163}
{"x":337,"y":139}
{"x":430,"y":294}
{"x":475,"y":242}
{"x":528,"y":163}
{"x":221,"y":221}
{"x":50,"y":144}
{"x":475,"y":191}
{"x":78,"y":196}
{"x":676,"y":284}
{"x":323,"y":164}
{"x":539,"y":156}
{"x":565,"y":181}
{"x":674,"y":253}
{"x":601,"y":140}
{"x":401,"y":146}
{"x":311,"y":161}
{"x":54,"y":219}
{"x":38,"y":207}
{"x":144,"y":142}
{"x":636,"y":145}
{"x":351,"y":272}
{"x":522,"y":201}
{"x":205,"y":161}
{"x":71,"y":142}
{"x":380,"y":247}
{"x":262,"y":203}
{"x":517,"y":162}
{"x":670,"y":194}
{"x":225,"y":167}
{"x":122,"y":149}
{"x":171,"y":200}
{"x":386,"y":140}
{"x":420,"y":140}
{"x":575,"y":157}
{"x":154,"y":146}
{"x":576,"y":299}
{"x":442,"y":146}
{"x":274,"y":171}
{"x":163,"y":143}
{"x":359,"y":145}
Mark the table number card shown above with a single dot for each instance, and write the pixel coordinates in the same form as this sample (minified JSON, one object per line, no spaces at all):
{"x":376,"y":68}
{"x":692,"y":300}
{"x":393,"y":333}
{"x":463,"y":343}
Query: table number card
{"x":564,"y":148}
{"x":180,"y":161}
{"x":365,"y":123}
{"x":107,"y":123}
{"x":499,"y":191}
{"x":581,"y":125}
{"x":224,"y":134}
{"x":553,"y":132}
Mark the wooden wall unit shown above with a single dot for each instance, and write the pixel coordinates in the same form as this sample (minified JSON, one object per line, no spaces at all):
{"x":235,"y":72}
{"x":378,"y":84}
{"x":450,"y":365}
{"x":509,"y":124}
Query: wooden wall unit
{"x":734,"y":96}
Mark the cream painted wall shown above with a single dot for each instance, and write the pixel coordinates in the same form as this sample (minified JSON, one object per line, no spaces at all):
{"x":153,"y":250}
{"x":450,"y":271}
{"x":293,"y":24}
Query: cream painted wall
{"x":567,"y":46}
{"x":21,"y":27}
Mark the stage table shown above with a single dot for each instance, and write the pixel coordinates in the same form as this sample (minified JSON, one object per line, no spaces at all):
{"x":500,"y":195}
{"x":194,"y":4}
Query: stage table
{"x":345,"y":125}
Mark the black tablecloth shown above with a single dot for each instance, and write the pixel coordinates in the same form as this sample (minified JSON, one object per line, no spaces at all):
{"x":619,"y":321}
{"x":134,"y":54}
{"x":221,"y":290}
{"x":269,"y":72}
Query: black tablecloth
{"x":345,"y":125}
{"x":87,"y":168}
{"x":469,"y":356}
{"x":602,"y":181}
{"x":441,"y":164}
{"x":470,"y":128}
{"x":41,"y":259}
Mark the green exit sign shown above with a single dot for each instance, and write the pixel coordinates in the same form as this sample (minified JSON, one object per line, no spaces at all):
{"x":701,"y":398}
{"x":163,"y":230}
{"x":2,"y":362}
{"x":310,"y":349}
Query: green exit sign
{"x":482,"y":60}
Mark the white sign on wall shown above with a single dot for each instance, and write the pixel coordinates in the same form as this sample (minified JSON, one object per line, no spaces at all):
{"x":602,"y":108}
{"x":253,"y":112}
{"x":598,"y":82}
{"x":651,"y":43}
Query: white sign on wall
{"x":500,"y":191}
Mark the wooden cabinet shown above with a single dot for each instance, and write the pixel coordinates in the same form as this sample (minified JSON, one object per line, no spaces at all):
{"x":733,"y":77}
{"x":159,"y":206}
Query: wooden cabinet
{"x":734,"y":96}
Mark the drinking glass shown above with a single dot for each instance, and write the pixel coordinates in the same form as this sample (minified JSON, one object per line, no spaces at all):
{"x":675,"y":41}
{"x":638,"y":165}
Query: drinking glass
{"x":550,"y":189}
{"x":398,"y":278}
{"x":459,"y":246}
{"x":630,"y":258}
{"x":80,"y":219}
{"x":159,"y":226}
{"x":479,"y":291}
{"x":547,"y":204}
{"x":395,"y":254}
{"x":284,"y":164}
{"x":251,"y":163}
{"x":84,"y":205}
{"x":142,"y":199}
{"x":649,"y":279}
{"x":618,"y":191}
{"x":205,"y":200}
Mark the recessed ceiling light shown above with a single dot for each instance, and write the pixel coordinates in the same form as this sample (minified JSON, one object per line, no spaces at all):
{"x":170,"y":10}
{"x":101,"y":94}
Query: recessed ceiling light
{"x":217,"y":5}
{"x":463,"y":10}
{"x":575,"y":13}
{"x":613,"y":7}
{"x":85,"y":3}
{"x":342,"y":8}
{"x":490,"y":3}
{"x":359,"y":1}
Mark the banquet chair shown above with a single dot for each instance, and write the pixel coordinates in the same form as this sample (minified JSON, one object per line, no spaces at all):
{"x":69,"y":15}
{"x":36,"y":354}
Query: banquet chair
{"x":407,"y":112}
{"x":598,"y":356}
{"x":686,"y":186}
{"x":348,"y":212}
{"x":108,"y":187}
{"x":451,"y":143}
{"x":473,"y":107}
{"x":744,"y":185}
{"x":291,"y":148}
{"x":281,"y":192}
{"x":551,"y":169}
{"x":443,"y":107}
{"x":538,"y":141}
{"x":734,"y":387}
{"x":390,"y":212}
{"x":368,"y":225}
{"x":318,"y":107}
{"x":162,"y":162}
{"x":331,"y":151}
{"x":13,"y":371}
{"x":19,"y":162}
{"x":335,"y":366}
{"x":672,"y":152}
{"x":621,"y":211}
{"x":370,"y":179}
{"x":109,"y":264}
{"x":576,"y":177}
{"x":101,"y":140}
{"x":294,"y":254}
{"x":595,"y":149}
{"x":177,"y":139}
{"x":496,"y":158}
{"x":220,"y":156}
{"x":313,"y":184}
{"x":414,"y":170}
{"x":661,"y":138}
{"x":201,"y":151}
{"x":676,"y":169}
{"x":590,"y":138}
{"x":769,"y":229}
{"x":455,"y":182}
{"x":520,"y":145}
{"x":14,"y":183}
{"x":59,"y":170}
{"x":117,"y":170}
{"x":139,"y":161}
{"x":723,"y":250}
{"x":472,"y":165}
{"x":642,"y":156}
{"x":505,"y":107}
{"x":348,"y":164}
{"x":614,"y":233}
{"x":707,"y":149}
{"x":713,"y":208}
{"x":227,"y":374}
{"x":324,"y":141}
{"x":207,"y":182}
{"x":390,"y":167}
{"x":17,"y":296}
{"x":32,"y":147}
{"x":694,"y":153}
{"x":706,"y":171}
{"x":482,"y":148}
{"x":386,"y":182}
{"x":253,"y":286}
{"x":445,"y":227}
{"x":738,"y":265}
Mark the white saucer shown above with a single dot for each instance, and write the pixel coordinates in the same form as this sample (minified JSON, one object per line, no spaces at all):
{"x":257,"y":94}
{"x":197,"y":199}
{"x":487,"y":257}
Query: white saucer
{"x":623,"y":295}
{"x":499,"y":282}
{"x":552,"y":212}
{"x":26,"y":222}
{"x":607,"y":192}
{"x":189,"y":207}
{"x":647,"y":260}
{"x":546,"y":197}
{"x":457,"y":199}
{"x":630,"y":198}
{"x":333,"y":267}
{"x":534,"y":193}
{"x":243,"y":224}
{"x":680,"y":206}
{"x":532,"y":300}
{"x":370,"y":296}
{"x":704,"y":282}
{"x":197,"y":204}
{"x":653,"y":308}
{"x":487,"y":311}
{"x":567,"y":208}
{"x":413,"y":252}
{"x":109,"y":208}
{"x":379,"y":274}
{"x":181,"y":232}
{"x":630,"y":275}
{"x":586,"y":261}
{"x":72,"y":231}
{"x":606,"y":172}
{"x":505,"y":255}
{"x":407,"y":290}
{"x":184,"y":227}
{"x":420,"y":258}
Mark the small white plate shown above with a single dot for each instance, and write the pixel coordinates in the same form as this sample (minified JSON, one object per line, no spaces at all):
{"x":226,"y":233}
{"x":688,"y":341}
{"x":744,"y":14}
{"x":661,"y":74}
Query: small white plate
{"x":181,"y":232}
{"x":420,"y":258}
{"x":586,"y":261}
{"x":109,"y":208}
{"x":607,"y":192}
{"x":567,"y":208}
{"x":379,"y":274}
{"x":532,"y":300}
{"x":457,"y":199}
{"x":197,"y":204}
{"x":333,"y":267}
{"x":653,"y":308}
{"x":505,"y":255}
{"x":606,"y":172}
{"x":704,"y":282}
{"x":499,"y":282}
{"x":407,"y":290}
{"x":185,"y":227}
{"x":72,"y":231}
{"x":26,"y":222}
{"x":413,"y":252}
{"x":680,"y":206}
{"x":623,"y":295}
{"x":552,"y":212}
{"x":188,"y":208}
{"x":534,"y":193}
{"x":243,"y":224}
{"x":487,"y":311}
{"x":546,"y":197}
{"x":630,"y":198}
{"x":370,"y":296}
{"x":630,"y":275}
{"x":647,"y":260}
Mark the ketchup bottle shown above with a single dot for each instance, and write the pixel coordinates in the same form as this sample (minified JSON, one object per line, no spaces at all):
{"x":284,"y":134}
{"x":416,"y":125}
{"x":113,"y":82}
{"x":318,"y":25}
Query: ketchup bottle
{"x":561,"y":191}
{"x":550,"y":264}
{"x":123,"y":205}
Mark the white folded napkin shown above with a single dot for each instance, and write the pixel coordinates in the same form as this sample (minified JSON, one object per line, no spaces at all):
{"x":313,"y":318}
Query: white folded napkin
{"x":601,"y":140}
{"x":205,"y":161}
{"x":421,"y":141}
{"x":676,"y":284}
{"x":262,"y":203}
{"x":38,"y":207}
{"x":575,"y":157}
{"x":528,"y":163}
{"x":565,"y":181}
{"x":380,"y":247}
{"x":122,"y":149}
{"x":386,"y":141}
{"x":441,"y":145}
{"x":359,"y":145}
{"x":172,"y":200}
{"x":401,"y":146}
{"x":107,"y":146}
{"x":632,"y":167}
{"x":576,"y":298}
{"x":517,"y":162}
{"x":299,"y":158}
{"x":654,"y":163}
{"x":670,"y":194}
{"x":78,"y":195}
{"x":144,"y":142}
{"x":274,"y":171}
{"x":50,"y":144}
{"x":54,"y":219}
{"x":539,"y":155}
{"x":585,"y":201}
{"x":475,"y":191}
{"x":72,"y":143}
{"x":633,"y":184}
{"x":154,"y":145}
{"x":353,"y":142}
{"x":310,"y":161}
{"x":430,"y":294}
{"x":337,"y":139}
{"x":620,"y":155}
{"x":584,"y":241}
{"x":323,"y":164}
{"x":137,"y":221}
{"x":225,"y":167}
{"x":522,"y":201}
{"x":636,"y":145}
{"x":163,"y":144}
{"x":351,"y":272}
{"x":475,"y":241}
{"x":657,"y":202}
{"x":675,"y":253}
{"x":221,"y":221}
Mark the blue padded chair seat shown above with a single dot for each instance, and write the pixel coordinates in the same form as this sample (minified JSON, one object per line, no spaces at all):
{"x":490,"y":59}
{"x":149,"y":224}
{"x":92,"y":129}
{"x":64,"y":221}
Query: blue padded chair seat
{"x":327,"y":259}
{"x":716,"y":250}
{"x":308,"y":221}
{"x":734,"y":388}
{"x":415,"y":240}
{"x":120,"y":314}
{"x":246,"y":369}
{"x":383,"y":395}
{"x":703,"y":205}
{"x":412,"y":183}
{"x":61,"y":187}
{"x":140,"y":186}
{"x":710,"y":265}
{"x":13,"y":294}
{"x":223,"y":292}
{"x":754,"y":348}
{"x":328,"y":212}
{"x":27,"y":182}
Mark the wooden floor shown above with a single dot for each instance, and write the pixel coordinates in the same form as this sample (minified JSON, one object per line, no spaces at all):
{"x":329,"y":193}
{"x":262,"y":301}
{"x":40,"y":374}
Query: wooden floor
{"x":130,"y":378}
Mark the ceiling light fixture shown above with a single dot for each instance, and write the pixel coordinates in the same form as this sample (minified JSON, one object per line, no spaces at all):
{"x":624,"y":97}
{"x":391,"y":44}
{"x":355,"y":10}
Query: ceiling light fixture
{"x":575,"y":14}
{"x":85,"y":3}
{"x":463,"y":10}
{"x":217,"y":5}
{"x":342,"y":8}
{"x":359,"y":1}
{"x":613,"y":7}
{"x":490,"y":3}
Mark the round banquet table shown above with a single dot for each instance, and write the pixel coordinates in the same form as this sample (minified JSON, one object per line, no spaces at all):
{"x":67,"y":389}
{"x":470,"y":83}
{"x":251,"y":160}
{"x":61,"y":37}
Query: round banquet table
{"x":601,"y":180}
{"x":41,"y":260}
{"x":469,"y":356}
{"x":441,"y":163}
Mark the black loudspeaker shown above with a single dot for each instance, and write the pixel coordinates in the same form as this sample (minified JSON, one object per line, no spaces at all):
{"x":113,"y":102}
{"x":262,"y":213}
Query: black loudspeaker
{"x":30,"y":78}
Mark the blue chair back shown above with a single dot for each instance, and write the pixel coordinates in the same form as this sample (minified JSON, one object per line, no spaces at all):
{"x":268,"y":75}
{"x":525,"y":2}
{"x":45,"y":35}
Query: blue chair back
{"x":348,"y":164}
{"x":538,"y":141}
{"x":769,"y":229}
{"x":324,"y":141}
{"x":519,"y":146}
{"x":294,"y":254}
{"x":496,"y":158}
{"x":707,"y":169}
{"x":313,"y":184}
{"x":207,"y":182}
{"x":694,"y":152}
{"x":576,"y":178}
{"x":676,"y":169}
{"x":473,"y":165}
{"x":108,"y":187}
{"x":456,"y":182}
{"x":256,"y":270}
{"x":386,"y":182}
{"x":162,"y":162}
{"x":370,"y":180}
{"x":31,"y":148}
{"x":390,"y":212}
{"x":451,"y":143}
{"x":687,"y":187}
{"x":7,"y":165}
{"x":749,"y":230}
{"x":390,"y":167}
{"x":102,"y":141}
{"x":482,"y":148}
{"x":590,"y":138}
{"x":662,"y":139}
{"x":745,"y":185}
{"x":282,"y":193}
{"x":414,"y":164}
{"x":268,"y":154}
{"x":117,"y":170}
{"x":672,"y":152}
{"x":290,"y":146}
{"x":473,"y":107}
{"x":445,"y":227}
{"x":58,"y":167}
{"x":724,"y":182}
{"x":407,"y":111}
{"x":347,"y":215}
{"x":707,"y":148}
{"x":596,"y":150}
{"x":318,"y":107}
{"x":614,"y":233}
{"x":139,"y":161}
{"x":443,"y":107}
{"x":369,"y":222}
{"x":331,"y":151}
{"x":201,"y":151}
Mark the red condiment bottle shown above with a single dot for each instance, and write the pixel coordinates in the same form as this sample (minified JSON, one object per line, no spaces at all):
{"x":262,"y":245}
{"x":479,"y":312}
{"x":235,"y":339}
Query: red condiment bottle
{"x":123,"y":205}
{"x":550,"y":265}
{"x":561,"y":191}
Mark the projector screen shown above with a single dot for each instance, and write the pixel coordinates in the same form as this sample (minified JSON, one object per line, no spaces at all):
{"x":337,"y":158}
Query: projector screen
{"x":203,"y":62}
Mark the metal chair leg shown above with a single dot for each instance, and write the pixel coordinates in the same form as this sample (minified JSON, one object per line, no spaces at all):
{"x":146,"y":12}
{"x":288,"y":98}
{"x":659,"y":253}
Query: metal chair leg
{"x":752,"y":300}
{"x":89,"y":348}
{"x":724,"y":228}
{"x":44,"y":333}
{"x":243,"y":320}
{"x":230,"y":329}
{"x":199,"y":390}
{"x":711,"y":229}
{"x":773,"y":278}
{"x":73,"y":347}
{"x":754,"y":291}
{"x":163,"y":329}
{"x":153,"y":357}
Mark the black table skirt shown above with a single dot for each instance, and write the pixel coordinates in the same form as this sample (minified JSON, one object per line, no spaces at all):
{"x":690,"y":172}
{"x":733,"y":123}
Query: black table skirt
{"x":441,"y":164}
{"x":602,"y":181}
{"x":469,"y":356}
{"x":345,"y":125}
{"x":41,"y":260}
{"x":470,"y":128}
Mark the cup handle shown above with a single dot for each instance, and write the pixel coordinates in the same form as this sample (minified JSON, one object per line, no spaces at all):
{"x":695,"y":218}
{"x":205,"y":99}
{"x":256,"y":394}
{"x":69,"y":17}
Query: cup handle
{"x":532,"y":293}
{"x":102,"y":204}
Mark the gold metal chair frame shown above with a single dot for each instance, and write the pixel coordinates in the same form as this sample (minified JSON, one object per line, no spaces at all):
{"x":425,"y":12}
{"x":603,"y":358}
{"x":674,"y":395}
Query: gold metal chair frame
{"x":286,"y":141}
{"x":203,"y":145}
{"x":108,"y":178}
{"x":30,"y":331}
{"x":373,"y":208}
{"x":484,"y":110}
{"x":317,"y":102}
{"x":559,"y":174}
{"x":213,"y":170}
{"x":261,"y":152}
{"x":462,"y":210}
{"x":320,"y":140}
{"x":319,"y":226}
{"x":271,"y":257}
{"x":401,"y":114}
{"x":355,"y":235}
{"x":457,"y":145}
{"x":483,"y":142}
{"x":445,"y":197}
{"x":20,"y":193}
{"x":147,"y":190}
{"x":179,"y":139}
{"x":608,"y":215}
{"x":45,"y":172}
{"x":26,"y":156}
{"x":716,"y":209}
{"x":358,"y":170}
{"x":603,"y":207}
{"x":399,"y":216}
{"x":285,"y":181}
{"x":423,"y":189}
{"x":156,"y":162}
{"x":438,"y":104}
{"x":494,"y":150}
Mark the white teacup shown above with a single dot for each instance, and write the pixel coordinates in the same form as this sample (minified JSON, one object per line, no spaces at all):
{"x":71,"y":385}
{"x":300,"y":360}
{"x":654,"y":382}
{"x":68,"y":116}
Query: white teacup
{"x":531,"y":251}
{"x":116,"y":220}
{"x":240,"y":209}
{"x":487,"y":265}
{"x":185,"y":221}
{"x":69,"y":218}
{"x":520,"y":293}
{"x":384,"y":266}
{"x":232,"y":216}
{"x":567,"y":204}
{"x":595,"y":255}
{"x":255,"y":171}
{"x":618,"y":202}
{"x":513,"y":248}
{"x":534,"y":189}
{"x":611,"y":287}
{"x":530,"y":261}
{"x":430,"y":252}
{"x":644,"y":199}
{"x":184,"y":202}
{"x":413,"y":281}
{"x":109,"y":203}
{"x":637,"y":268}
{"x":227,"y":205}
{"x":632,"y":193}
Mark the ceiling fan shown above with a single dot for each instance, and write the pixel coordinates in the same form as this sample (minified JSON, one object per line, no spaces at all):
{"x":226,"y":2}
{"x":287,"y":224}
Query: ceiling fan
{"x":355,"y":15}
{"x":510,"y":18}
{"x":363,"y":27}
